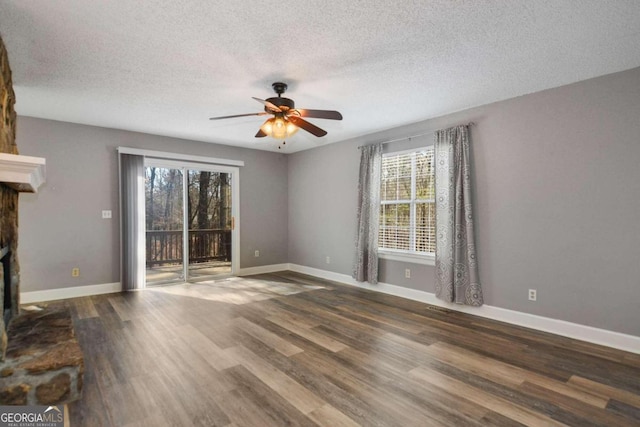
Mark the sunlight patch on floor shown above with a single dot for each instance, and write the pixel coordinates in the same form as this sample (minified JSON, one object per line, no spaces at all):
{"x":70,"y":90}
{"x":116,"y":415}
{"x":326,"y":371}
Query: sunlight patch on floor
{"x":235,"y":290}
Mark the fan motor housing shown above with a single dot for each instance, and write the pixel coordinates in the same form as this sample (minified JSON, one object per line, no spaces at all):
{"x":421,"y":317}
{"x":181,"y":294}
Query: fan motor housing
{"x":281,"y":102}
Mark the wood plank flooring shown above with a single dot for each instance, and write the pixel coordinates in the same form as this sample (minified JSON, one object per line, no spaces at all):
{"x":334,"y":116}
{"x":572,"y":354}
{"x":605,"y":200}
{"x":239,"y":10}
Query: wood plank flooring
{"x":287,"y":349}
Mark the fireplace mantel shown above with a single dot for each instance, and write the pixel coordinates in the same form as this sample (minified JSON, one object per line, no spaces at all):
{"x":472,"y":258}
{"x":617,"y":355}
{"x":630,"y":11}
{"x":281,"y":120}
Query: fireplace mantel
{"x":23,"y":173}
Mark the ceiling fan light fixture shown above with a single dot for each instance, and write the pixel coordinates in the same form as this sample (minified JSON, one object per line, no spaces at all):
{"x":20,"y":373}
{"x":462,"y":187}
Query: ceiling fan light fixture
{"x":279,"y":128}
{"x":286,"y":120}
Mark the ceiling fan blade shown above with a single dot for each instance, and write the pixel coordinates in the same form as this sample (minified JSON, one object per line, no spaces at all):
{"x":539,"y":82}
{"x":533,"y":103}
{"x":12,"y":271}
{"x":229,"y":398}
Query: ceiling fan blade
{"x":262,"y":113}
{"x":311,"y":128}
{"x":260,"y":133}
{"x":320,"y":114}
{"x":268,"y":104}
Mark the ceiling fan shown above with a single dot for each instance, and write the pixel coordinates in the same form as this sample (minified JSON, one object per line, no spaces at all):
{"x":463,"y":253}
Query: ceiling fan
{"x":286,"y":118}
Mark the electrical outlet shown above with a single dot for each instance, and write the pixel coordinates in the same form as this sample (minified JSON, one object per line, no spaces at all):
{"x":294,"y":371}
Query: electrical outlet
{"x":75,"y":272}
{"x":106,"y":214}
{"x":407,"y":273}
{"x":328,"y":260}
{"x":257,"y":254}
{"x":533,"y":295}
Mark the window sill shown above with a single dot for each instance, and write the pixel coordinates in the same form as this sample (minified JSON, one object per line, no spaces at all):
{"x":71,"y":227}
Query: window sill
{"x":406,"y":257}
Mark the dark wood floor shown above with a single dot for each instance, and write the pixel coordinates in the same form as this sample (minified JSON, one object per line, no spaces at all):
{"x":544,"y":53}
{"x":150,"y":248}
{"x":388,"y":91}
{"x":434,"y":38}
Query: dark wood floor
{"x":286,"y":349}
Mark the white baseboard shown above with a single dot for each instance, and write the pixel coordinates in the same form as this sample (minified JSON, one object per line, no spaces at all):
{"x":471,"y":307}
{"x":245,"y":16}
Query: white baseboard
{"x":72,"y":292}
{"x":262,"y":269}
{"x":559,"y":327}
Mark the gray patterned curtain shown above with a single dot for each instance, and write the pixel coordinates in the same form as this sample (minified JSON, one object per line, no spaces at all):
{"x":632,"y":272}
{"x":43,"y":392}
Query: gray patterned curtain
{"x":456,"y":262}
{"x":365,"y":267}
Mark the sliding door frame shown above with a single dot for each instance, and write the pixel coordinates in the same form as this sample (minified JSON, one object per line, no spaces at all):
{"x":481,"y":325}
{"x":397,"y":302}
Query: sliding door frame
{"x":185,"y":166}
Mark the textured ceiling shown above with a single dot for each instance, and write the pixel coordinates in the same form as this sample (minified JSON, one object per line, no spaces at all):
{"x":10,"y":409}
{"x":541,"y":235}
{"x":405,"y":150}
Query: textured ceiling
{"x":165,"y":67}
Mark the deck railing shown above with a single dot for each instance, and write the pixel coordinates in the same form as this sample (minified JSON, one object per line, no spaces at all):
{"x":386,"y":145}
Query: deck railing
{"x":165,"y":247}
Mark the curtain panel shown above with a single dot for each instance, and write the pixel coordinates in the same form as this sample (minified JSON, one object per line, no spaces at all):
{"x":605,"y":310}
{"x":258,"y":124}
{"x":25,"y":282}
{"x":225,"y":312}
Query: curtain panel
{"x":132,"y":221}
{"x":457,"y":278}
{"x":365,"y":267}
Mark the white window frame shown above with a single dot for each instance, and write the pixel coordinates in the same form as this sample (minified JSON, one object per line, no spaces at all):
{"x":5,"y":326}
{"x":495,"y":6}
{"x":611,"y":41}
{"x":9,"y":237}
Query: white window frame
{"x":400,"y":254}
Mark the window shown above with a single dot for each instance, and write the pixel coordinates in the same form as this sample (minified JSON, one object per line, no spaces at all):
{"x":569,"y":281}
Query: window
{"x":407,"y":208}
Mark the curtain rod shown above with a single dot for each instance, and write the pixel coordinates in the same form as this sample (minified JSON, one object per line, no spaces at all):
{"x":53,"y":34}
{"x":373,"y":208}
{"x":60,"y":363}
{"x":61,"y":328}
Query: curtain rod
{"x":414,"y":136}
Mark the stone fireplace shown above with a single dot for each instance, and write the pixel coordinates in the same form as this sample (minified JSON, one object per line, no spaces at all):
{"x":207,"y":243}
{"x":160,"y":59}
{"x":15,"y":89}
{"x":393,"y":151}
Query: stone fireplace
{"x":9,"y":274}
{"x":41,"y":362}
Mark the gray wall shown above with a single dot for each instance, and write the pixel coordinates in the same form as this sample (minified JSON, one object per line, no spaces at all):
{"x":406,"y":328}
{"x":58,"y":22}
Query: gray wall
{"x":557,"y":202}
{"x":61,"y":226}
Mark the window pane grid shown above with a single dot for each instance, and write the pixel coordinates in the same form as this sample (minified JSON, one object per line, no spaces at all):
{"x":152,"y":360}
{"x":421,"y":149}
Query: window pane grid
{"x":396,"y":178}
{"x":425,"y":227}
{"x":395,"y":228}
{"x":407,"y":209}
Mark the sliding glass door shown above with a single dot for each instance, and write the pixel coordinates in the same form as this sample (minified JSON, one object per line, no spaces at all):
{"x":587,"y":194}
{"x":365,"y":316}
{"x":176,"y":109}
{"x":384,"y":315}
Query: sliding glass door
{"x":164,"y":223}
{"x":209,"y":219}
{"x":189,"y":212}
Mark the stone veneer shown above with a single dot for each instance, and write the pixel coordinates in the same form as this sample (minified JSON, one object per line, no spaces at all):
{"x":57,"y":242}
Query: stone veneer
{"x":8,"y":196}
{"x":40,"y":359}
{"x":44,"y":362}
